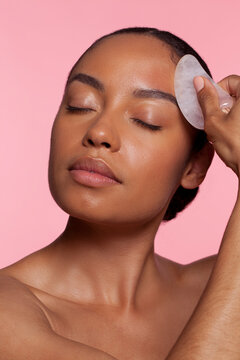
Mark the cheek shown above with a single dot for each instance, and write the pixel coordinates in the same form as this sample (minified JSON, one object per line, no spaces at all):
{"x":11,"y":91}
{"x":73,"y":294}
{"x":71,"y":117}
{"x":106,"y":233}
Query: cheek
{"x":158,"y":171}
{"x":151,"y":168}
{"x":62,"y":143}
{"x":61,"y":150}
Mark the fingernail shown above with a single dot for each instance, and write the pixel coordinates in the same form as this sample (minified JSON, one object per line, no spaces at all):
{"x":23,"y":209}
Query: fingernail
{"x":198,"y":83}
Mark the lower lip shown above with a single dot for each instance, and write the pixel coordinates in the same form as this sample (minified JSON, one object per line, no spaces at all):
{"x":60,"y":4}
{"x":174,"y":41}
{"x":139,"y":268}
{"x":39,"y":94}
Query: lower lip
{"x":91,"y":179}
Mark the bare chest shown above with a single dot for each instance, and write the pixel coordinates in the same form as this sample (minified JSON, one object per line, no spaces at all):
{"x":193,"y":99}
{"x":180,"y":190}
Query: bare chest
{"x":137,"y":336}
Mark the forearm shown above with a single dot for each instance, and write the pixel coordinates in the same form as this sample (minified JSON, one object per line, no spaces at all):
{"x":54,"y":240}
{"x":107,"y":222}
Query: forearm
{"x":213,"y":331}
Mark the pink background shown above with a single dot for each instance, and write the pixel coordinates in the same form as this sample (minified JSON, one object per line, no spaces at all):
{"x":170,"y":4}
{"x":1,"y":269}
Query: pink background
{"x":40,"y":41}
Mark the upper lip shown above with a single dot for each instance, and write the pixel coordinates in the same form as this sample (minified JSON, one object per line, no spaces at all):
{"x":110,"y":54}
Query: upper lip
{"x":95,"y":165}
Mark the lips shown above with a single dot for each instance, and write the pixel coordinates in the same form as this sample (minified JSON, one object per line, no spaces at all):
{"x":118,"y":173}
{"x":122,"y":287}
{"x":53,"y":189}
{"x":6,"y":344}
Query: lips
{"x":94,"y":165}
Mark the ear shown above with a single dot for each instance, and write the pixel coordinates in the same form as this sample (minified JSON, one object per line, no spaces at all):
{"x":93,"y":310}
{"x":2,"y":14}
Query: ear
{"x":197,"y":167}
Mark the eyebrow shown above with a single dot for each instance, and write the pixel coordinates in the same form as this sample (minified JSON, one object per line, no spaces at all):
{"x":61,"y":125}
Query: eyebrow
{"x":139,"y":93}
{"x":87,"y":79}
{"x":155,"y":94}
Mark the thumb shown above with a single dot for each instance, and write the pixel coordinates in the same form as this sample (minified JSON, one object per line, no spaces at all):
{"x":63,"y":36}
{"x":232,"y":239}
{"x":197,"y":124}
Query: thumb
{"x":207,"y":97}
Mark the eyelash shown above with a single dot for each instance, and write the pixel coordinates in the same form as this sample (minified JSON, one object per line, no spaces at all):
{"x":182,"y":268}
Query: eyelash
{"x":74,"y":109}
{"x":145,"y":125}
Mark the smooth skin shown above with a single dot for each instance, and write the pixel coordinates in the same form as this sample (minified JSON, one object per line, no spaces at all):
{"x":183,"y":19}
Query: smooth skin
{"x":99,"y":291}
{"x":213,"y":331}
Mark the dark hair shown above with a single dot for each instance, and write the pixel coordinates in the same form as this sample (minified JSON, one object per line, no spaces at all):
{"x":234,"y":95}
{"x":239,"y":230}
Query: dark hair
{"x":182,"y":197}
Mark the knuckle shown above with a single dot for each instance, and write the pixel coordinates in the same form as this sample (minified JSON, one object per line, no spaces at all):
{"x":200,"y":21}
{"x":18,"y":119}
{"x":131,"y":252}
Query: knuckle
{"x":232,"y":77}
{"x":211,"y":118}
{"x":210,"y":124}
{"x":235,"y":76}
{"x":208,"y":130}
{"x":203,"y":96}
{"x":207,"y":100}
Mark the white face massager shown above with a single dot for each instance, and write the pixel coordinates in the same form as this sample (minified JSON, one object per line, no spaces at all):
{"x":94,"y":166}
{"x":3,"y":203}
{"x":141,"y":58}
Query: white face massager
{"x":187,"y":68}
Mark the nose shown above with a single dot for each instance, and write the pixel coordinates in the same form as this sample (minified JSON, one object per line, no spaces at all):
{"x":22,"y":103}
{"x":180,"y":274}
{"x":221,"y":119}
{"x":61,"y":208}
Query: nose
{"x":102,"y":133}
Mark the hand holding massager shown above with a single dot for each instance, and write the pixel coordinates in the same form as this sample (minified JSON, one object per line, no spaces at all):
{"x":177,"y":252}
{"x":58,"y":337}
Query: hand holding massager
{"x":187,"y":68}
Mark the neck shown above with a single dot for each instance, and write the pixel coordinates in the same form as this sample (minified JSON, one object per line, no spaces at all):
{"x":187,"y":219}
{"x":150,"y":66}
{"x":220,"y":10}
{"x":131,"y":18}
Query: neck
{"x":107,"y":265}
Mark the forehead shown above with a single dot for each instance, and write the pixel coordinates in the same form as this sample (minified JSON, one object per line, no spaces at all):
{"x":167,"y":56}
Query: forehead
{"x":130,"y":59}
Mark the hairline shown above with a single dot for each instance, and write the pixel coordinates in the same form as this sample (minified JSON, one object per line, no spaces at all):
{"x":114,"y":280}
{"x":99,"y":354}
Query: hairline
{"x":173,"y":54}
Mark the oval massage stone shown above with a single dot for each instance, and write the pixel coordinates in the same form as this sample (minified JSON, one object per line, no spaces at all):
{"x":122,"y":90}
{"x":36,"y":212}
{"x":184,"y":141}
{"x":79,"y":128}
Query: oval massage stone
{"x":187,"y":68}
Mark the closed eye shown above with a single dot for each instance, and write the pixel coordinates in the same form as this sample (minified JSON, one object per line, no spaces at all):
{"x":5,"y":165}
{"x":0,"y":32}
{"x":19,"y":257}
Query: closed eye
{"x":73,"y":109}
{"x":145,"y":125}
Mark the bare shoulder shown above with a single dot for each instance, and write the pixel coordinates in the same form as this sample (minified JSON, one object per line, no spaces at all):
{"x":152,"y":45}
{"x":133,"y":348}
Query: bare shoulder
{"x":25,"y":329}
{"x":194,"y":275}
{"x":22,"y":317}
{"x":197,"y":273}
{"x":203,"y":266}
{"x":16,"y":300}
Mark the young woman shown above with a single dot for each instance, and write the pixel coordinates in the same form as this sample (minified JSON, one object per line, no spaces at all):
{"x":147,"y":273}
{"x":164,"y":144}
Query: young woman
{"x":123,"y":159}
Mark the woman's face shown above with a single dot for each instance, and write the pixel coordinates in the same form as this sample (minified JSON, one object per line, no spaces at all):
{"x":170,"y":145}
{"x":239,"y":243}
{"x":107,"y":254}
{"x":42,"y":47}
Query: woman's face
{"x":149,"y":163}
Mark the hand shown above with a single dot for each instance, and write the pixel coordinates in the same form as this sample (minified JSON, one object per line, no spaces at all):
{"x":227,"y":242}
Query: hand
{"x":222,"y":129}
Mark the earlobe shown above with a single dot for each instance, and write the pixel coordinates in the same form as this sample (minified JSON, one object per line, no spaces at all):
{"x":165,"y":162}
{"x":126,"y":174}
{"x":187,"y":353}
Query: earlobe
{"x":197,"y":167}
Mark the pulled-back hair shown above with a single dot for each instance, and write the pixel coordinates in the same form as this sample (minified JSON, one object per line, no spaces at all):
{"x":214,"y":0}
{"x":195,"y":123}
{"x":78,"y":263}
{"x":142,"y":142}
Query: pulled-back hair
{"x":182,"y":197}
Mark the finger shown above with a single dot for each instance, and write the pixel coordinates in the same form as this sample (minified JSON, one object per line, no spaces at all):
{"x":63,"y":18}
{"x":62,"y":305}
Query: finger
{"x":207,"y":96}
{"x":208,"y":100}
{"x":231,"y":84}
{"x":235,"y":110}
